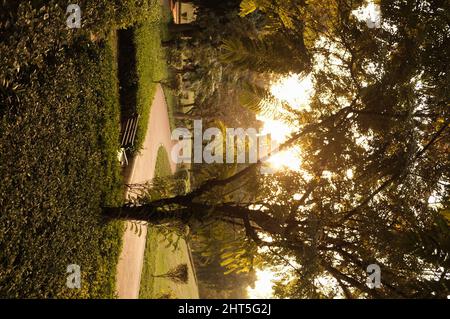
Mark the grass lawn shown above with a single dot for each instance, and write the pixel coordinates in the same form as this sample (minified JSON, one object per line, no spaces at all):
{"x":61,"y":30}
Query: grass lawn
{"x":160,"y":256}
{"x":151,"y":67}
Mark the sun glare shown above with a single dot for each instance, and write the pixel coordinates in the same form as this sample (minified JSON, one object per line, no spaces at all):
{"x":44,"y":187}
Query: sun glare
{"x":295,"y":91}
{"x":287,"y":159}
{"x":263,"y":285}
{"x":370,"y":13}
{"x":278,"y":129}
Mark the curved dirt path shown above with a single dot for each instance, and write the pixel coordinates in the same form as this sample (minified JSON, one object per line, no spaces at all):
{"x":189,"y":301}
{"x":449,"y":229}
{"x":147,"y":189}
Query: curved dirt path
{"x":131,"y":259}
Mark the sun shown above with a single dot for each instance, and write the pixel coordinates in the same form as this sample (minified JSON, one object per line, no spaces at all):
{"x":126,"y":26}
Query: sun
{"x":289,"y":159}
{"x":263,"y":285}
{"x":278,"y":130}
{"x":295,"y":91}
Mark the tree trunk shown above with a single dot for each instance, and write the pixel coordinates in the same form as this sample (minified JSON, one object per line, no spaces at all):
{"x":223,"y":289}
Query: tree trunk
{"x":183,"y":209}
{"x":146,"y":213}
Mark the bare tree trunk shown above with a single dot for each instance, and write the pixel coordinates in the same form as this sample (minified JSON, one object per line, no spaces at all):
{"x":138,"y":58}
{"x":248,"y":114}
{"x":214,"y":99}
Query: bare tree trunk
{"x":182,"y":208}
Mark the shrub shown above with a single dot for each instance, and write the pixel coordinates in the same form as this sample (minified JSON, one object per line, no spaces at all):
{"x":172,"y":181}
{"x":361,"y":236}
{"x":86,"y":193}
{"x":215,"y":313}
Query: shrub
{"x":179,"y":274}
{"x":59,"y":125}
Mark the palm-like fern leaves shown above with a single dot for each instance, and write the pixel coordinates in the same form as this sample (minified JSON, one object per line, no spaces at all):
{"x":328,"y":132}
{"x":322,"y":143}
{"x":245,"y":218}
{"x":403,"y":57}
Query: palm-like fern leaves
{"x":275,"y":54}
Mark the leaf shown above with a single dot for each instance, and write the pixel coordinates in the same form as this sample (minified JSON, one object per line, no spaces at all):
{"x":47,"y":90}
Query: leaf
{"x":227,"y":262}
{"x":247,"y":7}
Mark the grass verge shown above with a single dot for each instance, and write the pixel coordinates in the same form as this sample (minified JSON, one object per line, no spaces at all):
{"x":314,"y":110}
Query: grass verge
{"x":151,"y":67}
{"x":161,"y":255}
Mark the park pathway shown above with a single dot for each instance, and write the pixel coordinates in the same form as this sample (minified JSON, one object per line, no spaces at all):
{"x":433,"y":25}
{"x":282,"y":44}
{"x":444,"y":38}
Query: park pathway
{"x":131,"y":259}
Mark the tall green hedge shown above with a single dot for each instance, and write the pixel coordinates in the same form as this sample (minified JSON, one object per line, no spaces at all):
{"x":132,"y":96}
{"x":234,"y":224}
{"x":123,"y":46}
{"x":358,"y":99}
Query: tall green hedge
{"x":59,"y":135}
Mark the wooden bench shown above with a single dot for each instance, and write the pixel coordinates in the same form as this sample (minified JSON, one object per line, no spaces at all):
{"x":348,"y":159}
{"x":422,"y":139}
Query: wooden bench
{"x":128,"y":133}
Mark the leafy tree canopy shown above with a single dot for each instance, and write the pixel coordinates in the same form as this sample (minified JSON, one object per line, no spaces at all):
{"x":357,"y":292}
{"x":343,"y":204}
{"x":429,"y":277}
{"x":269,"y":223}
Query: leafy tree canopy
{"x":374,"y":143}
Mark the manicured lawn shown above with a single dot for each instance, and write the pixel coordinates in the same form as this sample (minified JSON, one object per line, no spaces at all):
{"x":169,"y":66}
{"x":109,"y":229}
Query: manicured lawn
{"x":161,"y":255}
{"x":151,"y":67}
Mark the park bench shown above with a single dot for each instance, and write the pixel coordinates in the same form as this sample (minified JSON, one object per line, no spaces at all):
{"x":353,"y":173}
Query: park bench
{"x":128,"y":133}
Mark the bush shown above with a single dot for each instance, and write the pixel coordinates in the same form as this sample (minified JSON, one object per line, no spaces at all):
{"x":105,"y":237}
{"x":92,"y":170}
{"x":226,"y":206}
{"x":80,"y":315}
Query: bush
{"x":58,"y":143}
{"x":36,"y":29}
{"x":59,"y":136}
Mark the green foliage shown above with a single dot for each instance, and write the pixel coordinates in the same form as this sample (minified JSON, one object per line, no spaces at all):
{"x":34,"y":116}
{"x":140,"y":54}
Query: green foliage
{"x":35,"y":28}
{"x":160,"y":258}
{"x":165,"y":295}
{"x":283,"y":13}
{"x":224,"y":260}
{"x":162,"y":168}
{"x":59,"y":118}
{"x":258,"y":54}
{"x":373,"y":150}
{"x":202,"y":70}
{"x":151,"y":66}
{"x":59,"y":165}
{"x":381,"y":215}
{"x":248,"y":6}
{"x":164,"y":245}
